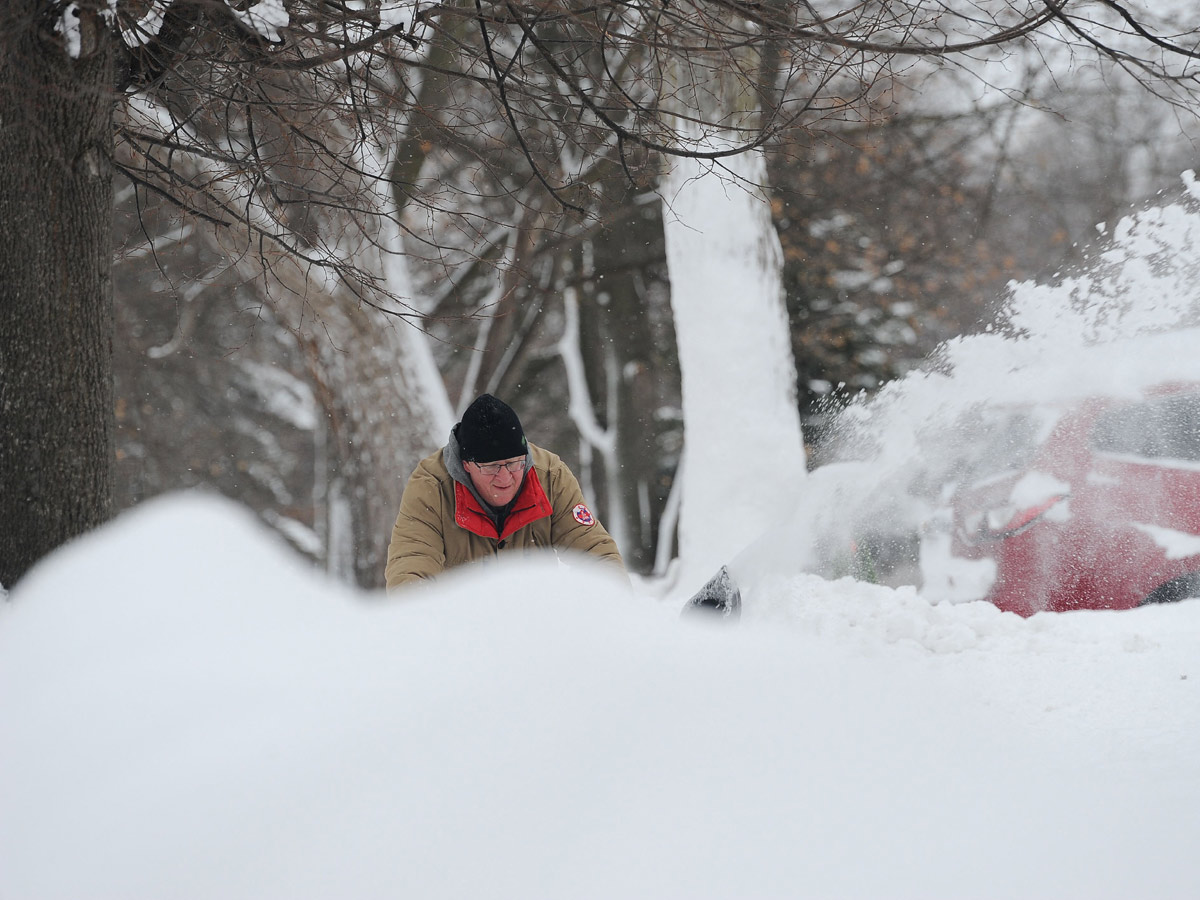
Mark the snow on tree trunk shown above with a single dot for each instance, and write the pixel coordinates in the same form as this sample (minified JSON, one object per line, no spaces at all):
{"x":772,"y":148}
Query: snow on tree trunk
{"x":743,"y":450}
{"x":594,"y":437}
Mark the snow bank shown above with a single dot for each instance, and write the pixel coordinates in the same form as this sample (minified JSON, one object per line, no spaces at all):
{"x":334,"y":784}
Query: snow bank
{"x":187,"y":711}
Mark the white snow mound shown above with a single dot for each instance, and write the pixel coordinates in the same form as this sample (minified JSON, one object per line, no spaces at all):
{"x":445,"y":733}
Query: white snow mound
{"x":188,"y":711}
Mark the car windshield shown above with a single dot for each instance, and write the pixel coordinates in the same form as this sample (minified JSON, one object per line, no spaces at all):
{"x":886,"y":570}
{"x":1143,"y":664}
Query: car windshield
{"x":1165,"y":427}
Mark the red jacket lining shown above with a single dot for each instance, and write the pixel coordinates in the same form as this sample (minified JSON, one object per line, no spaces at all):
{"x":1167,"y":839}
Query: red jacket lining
{"x":530,"y":505}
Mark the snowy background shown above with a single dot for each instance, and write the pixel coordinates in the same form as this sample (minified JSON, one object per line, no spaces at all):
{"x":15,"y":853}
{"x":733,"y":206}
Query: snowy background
{"x":188,"y":710}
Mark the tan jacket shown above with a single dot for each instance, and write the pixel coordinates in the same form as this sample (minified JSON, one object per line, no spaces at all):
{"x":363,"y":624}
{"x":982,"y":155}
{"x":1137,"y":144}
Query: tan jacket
{"x":442,"y":524}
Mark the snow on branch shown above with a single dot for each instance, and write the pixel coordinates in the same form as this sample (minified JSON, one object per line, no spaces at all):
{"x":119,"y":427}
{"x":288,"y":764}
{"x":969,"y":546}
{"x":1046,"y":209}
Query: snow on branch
{"x":236,"y":198}
{"x":147,"y":27}
{"x":265,"y":18}
{"x":580,"y":405}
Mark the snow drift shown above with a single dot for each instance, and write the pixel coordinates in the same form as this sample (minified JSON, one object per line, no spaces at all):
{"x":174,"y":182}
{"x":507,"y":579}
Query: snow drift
{"x":188,"y":711}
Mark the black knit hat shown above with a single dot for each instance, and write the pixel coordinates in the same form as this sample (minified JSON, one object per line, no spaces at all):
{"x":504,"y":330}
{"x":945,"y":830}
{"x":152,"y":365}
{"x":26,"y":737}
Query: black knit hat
{"x":489,"y":431}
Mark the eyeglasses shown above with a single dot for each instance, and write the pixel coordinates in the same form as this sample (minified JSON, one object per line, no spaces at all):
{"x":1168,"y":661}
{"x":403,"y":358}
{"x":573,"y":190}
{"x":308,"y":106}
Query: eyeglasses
{"x":491,"y":470}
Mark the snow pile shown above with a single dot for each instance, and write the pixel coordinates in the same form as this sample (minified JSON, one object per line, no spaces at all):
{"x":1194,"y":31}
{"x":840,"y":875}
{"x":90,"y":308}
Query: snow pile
{"x":868,"y":616}
{"x":187,"y":711}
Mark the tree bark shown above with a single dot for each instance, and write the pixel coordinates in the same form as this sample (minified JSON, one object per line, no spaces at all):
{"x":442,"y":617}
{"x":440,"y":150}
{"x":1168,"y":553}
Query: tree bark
{"x":56,"y":295}
{"x":618,"y":339}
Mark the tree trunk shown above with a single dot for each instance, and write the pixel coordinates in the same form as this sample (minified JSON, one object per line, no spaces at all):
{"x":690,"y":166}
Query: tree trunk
{"x":743,"y":457}
{"x":385,"y":411}
{"x":743,"y":450}
{"x":56,"y":295}
{"x":618,"y":341}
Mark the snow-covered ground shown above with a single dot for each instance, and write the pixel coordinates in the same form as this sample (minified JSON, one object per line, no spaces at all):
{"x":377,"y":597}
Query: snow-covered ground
{"x":188,"y":711}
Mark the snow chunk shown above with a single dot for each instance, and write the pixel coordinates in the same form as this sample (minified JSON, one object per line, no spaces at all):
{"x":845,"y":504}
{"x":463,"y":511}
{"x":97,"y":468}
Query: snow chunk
{"x":1190,"y":184}
{"x":68,"y":26}
{"x":1035,"y":488}
{"x":1176,"y":544}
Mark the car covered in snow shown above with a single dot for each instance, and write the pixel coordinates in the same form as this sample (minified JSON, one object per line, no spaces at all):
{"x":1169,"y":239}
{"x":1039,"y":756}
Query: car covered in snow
{"x":1101,"y":511}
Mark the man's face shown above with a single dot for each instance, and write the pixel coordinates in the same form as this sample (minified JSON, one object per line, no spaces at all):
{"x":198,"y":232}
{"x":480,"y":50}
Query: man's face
{"x":497,"y":482}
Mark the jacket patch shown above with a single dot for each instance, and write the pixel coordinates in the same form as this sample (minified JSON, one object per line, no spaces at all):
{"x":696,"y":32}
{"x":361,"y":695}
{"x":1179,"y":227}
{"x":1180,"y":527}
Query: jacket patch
{"x":583,"y":515}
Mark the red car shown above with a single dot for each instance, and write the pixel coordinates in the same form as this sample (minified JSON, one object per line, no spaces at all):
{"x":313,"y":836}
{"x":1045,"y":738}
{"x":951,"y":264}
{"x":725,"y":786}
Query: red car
{"x":1105,"y":514}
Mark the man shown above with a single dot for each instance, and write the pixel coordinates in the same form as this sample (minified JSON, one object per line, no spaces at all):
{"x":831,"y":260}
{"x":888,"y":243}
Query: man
{"x":490,"y":491}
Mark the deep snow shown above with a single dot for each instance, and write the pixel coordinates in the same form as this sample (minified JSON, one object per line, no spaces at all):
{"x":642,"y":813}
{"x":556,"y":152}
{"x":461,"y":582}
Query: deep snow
{"x":188,"y":711}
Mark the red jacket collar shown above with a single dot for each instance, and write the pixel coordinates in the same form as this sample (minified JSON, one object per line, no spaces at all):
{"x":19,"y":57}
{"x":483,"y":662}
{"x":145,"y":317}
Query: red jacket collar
{"x":530,"y":505}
